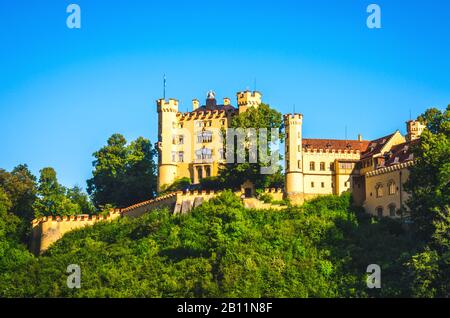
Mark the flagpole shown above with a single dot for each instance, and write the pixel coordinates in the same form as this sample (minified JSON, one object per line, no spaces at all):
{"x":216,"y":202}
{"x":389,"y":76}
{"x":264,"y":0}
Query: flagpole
{"x":164,"y":91}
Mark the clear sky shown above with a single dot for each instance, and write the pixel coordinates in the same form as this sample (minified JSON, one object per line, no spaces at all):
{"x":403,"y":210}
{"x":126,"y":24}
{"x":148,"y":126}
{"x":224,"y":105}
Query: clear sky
{"x":64,"y":91}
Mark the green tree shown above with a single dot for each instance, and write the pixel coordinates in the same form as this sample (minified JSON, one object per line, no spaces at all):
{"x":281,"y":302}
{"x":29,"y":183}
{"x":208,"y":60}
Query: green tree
{"x":20,"y":187}
{"x":123,"y":174}
{"x":79,"y":197}
{"x":8,"y":221}
{"x":429,"y":186}
{"x":234,"y":174}
{"x":180,"y":184}
{"x":52,"y":199}
{"x":429,"y":180}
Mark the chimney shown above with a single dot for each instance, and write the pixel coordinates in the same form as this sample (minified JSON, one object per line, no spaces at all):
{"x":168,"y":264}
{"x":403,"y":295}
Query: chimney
{"x":195,"y":104}
{"x":226,"y":101}
{"x":359,"y":137}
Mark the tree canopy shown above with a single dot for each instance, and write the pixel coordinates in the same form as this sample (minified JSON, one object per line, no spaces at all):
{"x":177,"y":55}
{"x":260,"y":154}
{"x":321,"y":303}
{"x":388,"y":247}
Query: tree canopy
{"x":429,"y":186}
{"x":123,"y":174}
{"x":234,"y":174}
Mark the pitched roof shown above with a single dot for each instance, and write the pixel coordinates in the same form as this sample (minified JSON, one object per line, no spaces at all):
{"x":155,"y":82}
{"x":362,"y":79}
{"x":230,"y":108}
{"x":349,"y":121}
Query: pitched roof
{"x":215,"y":107}
{"x":400,"y":153}
{"x":376,"y":145}
{"x":335,"y":144}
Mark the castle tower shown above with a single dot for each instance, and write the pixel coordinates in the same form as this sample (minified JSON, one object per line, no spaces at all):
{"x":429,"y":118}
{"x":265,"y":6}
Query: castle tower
{"x":167,"y":125}
{"x":414,"y":129}
{"x":293,"y":156}
{"x":248,"y":99}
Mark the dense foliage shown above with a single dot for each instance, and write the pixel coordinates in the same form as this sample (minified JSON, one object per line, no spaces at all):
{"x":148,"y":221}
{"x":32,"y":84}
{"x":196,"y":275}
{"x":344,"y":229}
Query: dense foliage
{"x":123,"y":174}
{"x":429,"y":185}
{"x":223,"y":250}
{"x":232,"y":174}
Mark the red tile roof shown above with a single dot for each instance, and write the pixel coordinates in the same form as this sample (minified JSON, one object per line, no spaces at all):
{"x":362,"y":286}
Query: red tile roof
{"x":375,"y":146}
{"x":400,"y":153}
{"x":335,"y":144}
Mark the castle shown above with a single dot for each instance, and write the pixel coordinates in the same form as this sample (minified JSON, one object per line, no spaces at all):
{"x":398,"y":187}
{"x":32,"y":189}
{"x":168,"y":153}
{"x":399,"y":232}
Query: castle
{"x":190,"y":146}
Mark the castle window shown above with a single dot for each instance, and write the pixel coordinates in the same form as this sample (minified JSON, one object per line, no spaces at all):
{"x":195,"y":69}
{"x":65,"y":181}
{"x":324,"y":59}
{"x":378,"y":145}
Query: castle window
{"x":203,"y":154}
{"x":380,"y":211}
{"x":222,"y":154}
{"x":322,"y":166}
{"x":345,"y":165}
{"x":312,"y":184}
{"x":331,"y":166}
{"x":379,"y":190}
{"x":391,"y":209}
{"x":178,"y":139}
{"x":392,"y":189}
{"x":323,"y":184}
{"x":181,"y":156}
{"x":199,"y":173}
{"x":222,"y":122}
{"x":312,"y":166}
{"x":299,"y":164}
{"x":208,"y":171}
{"x":174,"y":156}
{"x":204,"y":136}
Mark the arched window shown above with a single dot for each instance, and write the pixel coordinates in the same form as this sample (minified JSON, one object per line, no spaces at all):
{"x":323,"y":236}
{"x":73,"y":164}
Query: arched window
{"x":312,"y":166}
{"x":380,"y":211}
{"x":379,"y":190}
{"x":392,"y":187}
{"x":391,"y":208}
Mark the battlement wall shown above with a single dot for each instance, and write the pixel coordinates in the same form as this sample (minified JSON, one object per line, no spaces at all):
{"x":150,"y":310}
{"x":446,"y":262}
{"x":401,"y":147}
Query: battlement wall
{"x":47,"y":230}
{"x":139,"y":209}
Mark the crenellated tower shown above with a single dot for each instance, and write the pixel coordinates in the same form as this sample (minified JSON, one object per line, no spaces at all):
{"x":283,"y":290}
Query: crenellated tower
{"x":293,"y":157}
{"x":414,"y":129}
{"x":167,"y":124}
{"x":248,"y":99}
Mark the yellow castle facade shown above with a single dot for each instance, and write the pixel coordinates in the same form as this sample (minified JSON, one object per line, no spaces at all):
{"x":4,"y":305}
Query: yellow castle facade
{"x":190,"y":146}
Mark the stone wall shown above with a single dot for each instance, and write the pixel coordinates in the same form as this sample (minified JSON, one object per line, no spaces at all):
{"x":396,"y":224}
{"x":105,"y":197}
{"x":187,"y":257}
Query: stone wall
{"x":47,"y":230}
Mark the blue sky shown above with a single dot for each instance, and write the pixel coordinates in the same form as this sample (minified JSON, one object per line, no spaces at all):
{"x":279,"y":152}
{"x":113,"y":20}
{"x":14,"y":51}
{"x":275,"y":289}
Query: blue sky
{"x":63,"y":91}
